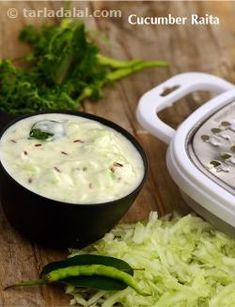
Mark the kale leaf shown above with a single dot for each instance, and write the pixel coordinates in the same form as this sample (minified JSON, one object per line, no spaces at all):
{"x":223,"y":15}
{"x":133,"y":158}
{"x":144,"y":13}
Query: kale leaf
{"x":64,"y":68}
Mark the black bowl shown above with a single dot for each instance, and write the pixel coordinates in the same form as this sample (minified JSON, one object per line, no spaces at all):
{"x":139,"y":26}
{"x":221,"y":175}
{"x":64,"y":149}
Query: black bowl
{"x":58,"y":224}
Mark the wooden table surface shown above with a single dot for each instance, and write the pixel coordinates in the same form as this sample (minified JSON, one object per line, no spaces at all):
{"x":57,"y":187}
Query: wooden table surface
{"x":208,"y":48}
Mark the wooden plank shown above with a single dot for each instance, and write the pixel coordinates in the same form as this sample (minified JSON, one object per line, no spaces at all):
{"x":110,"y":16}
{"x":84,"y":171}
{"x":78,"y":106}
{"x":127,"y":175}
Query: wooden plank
{"x":187,"y":48}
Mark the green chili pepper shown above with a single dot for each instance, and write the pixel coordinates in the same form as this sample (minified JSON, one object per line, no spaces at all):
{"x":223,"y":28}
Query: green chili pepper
{"x":87,"y":259}
{"x":93,"y":270}
{"x":28,"y":283}
{"x":90,"y":271}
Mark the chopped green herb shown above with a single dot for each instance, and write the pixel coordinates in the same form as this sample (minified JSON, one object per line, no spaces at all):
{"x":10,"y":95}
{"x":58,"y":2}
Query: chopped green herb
{"x":39,"y":134}
{"x":65,"y":68}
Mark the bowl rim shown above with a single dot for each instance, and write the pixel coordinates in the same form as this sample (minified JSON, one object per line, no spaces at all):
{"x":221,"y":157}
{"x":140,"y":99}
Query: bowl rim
{"x":102,"y":120}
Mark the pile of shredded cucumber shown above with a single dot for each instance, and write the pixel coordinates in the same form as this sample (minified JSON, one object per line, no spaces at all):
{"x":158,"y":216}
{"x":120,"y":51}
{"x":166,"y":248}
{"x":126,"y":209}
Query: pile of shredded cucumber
{"x":181,"y":261}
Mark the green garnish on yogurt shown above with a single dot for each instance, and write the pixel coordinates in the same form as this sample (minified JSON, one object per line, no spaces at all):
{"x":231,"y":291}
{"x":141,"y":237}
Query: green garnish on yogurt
{"x":47,"y":130}
{"x":39,"y":134}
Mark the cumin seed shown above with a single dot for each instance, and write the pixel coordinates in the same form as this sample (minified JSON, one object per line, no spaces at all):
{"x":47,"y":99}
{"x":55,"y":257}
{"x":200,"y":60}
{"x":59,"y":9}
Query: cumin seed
{"x":64,"y":153}
{"x":38,"y":145}
{"x":78,"y":141}
{"x":117,"y":164}
{"x":57,"y":169}
{"x":112,"y":169}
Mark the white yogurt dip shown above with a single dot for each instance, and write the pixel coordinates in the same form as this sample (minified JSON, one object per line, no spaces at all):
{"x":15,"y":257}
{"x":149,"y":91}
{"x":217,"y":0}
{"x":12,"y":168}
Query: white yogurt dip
{"x":70,"y":158}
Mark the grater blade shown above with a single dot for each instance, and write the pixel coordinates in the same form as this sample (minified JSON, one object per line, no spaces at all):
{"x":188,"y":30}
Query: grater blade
{"x":211,"y":146}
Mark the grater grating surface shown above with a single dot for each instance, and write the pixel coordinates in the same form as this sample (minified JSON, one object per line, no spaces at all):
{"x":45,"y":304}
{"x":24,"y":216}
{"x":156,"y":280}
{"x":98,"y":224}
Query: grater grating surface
{"x":212,"y":146}
{"x":201,"y":156}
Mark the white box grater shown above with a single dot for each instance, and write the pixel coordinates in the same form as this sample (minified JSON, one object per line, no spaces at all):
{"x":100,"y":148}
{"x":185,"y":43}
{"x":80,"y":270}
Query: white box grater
{"x":201,"y":153}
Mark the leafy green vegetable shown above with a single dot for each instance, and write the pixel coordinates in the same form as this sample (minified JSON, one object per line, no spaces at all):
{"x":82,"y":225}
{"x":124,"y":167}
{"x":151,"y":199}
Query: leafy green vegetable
{"x":64,"y":68}
{"x":185,"y":263}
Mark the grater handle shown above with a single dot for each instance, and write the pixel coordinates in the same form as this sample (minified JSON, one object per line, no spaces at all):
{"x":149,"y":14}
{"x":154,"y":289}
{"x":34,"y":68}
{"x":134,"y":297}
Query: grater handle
{"x":179,"y":86}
